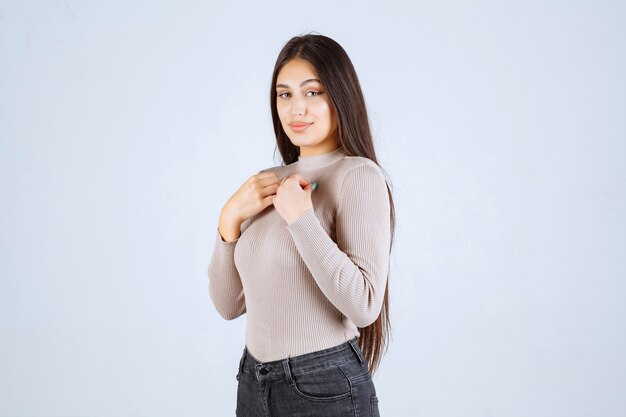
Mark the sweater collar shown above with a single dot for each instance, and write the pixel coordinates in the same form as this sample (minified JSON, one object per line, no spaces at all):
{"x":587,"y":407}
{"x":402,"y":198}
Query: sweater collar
{"x":319,"y":161}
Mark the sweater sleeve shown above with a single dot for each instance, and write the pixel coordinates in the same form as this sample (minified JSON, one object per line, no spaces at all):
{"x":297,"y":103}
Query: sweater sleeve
{"x":351,"y":273}
{"x":225,"y":288}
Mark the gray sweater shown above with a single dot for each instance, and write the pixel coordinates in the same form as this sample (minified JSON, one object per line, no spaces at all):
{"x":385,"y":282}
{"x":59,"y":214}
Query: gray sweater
{"x":307,"y":286}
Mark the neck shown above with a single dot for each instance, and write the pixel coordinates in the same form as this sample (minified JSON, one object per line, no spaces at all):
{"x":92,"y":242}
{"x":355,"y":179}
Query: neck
{"x":320,"y":160}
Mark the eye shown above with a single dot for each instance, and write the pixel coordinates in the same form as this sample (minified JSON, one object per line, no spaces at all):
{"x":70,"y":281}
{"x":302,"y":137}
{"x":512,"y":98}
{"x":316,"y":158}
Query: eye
{"x":282,"y":94}
{"x":316,"y":93}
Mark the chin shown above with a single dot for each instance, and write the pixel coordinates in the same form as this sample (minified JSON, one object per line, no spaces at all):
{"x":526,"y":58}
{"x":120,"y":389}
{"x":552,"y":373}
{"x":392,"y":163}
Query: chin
{"x":303,"y":142}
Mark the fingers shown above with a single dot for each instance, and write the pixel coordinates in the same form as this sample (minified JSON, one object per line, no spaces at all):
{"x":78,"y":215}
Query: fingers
{"x":299,"y":178}
{"x":303,"y":181}
{"x":268,"y":200}
{"x":270,"y":189}
{"x":267,"y":177}
{"x":270,"y":182}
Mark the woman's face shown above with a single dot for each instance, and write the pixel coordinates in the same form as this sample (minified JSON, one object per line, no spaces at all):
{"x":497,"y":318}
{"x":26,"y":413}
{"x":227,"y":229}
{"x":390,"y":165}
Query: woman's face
{"x":301,"y":100}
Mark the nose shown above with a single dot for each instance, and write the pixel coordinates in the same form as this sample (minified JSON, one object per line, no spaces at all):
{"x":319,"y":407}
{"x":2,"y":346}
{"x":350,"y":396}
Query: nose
{"x":297,"y":106}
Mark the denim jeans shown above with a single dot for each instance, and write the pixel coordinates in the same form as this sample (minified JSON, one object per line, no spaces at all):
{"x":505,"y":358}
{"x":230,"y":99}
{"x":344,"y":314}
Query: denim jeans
{"x":330,"y":382}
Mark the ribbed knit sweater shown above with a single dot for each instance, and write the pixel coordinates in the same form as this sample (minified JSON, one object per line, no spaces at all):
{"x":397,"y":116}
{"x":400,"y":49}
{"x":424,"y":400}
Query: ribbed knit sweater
{"x":307,"y":286}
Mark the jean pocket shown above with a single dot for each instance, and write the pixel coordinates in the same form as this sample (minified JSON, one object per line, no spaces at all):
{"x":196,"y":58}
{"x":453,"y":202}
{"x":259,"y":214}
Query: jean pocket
{"x":356,"y":372}
{"x":324,"y":384}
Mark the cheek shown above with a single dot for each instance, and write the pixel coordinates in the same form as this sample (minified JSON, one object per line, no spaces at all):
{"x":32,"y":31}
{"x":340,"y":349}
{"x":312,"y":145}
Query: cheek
{"x":324,"y":113}
{"x":281,"y":113}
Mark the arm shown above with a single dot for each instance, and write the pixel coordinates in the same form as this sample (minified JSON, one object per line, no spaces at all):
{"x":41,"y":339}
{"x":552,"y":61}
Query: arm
{"x":225,"y":288}
{"x":351,"y":273}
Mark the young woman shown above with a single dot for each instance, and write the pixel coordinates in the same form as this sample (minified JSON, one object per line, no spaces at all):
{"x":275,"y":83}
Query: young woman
{"x":303,"y":248}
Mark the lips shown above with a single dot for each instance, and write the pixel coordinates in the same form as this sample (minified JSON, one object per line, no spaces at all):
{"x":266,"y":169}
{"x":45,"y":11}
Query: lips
{"x":299,"y":126}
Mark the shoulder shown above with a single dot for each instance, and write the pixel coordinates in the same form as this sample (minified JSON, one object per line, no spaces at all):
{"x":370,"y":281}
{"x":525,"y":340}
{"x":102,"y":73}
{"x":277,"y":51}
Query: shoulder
{"x":361,"y":179}
{"x":363,"y":187}
{"x":275,"y":169}
{"x":355,"y":167}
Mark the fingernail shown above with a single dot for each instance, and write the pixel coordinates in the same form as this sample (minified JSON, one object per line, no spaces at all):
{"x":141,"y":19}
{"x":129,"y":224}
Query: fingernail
{"x":314,"y":186}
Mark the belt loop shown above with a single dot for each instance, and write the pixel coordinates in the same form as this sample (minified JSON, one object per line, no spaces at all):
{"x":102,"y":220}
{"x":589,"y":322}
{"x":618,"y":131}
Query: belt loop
{"x":357,"y":350}
{"x":287,"y":369}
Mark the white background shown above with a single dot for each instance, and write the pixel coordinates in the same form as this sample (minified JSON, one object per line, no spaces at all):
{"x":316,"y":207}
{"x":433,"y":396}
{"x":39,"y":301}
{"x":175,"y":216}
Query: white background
{"x":125,"y":127}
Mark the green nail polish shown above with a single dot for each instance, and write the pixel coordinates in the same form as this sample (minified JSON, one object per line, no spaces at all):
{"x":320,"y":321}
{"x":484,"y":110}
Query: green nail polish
{"x":314,"y":186}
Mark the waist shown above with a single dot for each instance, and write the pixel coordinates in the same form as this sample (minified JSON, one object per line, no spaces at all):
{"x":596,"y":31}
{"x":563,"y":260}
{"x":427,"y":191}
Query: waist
{"x":346,"y":352}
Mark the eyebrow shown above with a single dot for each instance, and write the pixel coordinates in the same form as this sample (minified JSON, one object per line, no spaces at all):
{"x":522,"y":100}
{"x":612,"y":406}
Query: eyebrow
{"x":301,"y":84}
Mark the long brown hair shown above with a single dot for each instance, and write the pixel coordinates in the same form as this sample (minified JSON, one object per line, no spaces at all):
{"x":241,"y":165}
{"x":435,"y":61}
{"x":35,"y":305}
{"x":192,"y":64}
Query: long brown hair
{"x":337,"y":74}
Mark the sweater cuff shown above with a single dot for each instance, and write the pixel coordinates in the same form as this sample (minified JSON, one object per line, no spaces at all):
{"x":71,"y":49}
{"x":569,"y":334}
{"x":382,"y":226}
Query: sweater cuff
{"x":304,"y":222}
{"x":223,"y":246}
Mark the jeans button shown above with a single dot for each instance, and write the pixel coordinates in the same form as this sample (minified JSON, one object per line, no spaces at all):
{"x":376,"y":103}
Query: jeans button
{"x":263,"y":371}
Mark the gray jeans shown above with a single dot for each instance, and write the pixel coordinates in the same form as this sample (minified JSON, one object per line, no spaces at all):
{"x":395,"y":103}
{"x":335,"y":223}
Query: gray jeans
{"x":330,"y":382}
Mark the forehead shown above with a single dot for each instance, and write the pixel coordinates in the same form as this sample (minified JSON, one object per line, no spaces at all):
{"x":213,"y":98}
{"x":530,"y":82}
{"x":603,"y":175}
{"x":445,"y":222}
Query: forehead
{"x":296,"y":70}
